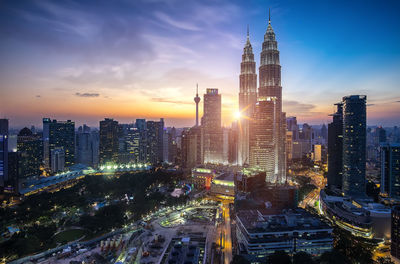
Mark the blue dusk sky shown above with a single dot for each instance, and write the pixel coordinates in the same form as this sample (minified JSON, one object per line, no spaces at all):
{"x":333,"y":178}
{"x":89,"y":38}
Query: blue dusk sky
{"x":86,"y":60}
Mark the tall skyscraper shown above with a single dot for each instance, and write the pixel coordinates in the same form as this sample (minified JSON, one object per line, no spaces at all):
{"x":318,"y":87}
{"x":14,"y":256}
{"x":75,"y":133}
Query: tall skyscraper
{"x":57,"y":159}
{"x":59,"y":134}
{"x":108,"y":146}
{"x":395,"y":234}
{"x":30,"y":147}
{"x":197,"y":101}
{"x":267,"y":131}
{"x":247,"y":99}
{"x":354,"y":145}
{"x":87,"y":146}
{"x":192,"y":147}
{"x":3,"y":151}
{"x":335,"y":149}
{"x":390,"y":169}
{"x":155,"y":141}
{"x":140,"y":124}
{"x":132,"y":141}
{"x":211,"y":123}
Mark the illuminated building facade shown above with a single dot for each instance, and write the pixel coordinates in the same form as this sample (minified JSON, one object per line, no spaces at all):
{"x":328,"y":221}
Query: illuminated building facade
{"x":3,"y":151}
{"x":202,"y":177}
{"x":192,"y":147}
{"x":211,"y":124}
{"x":354,"y":145}
{"x":30,"y":147}
{"x":390,"y":169}
{"x":155,"y":139}
{"x":57,"y":159}
{"x":268,"y":128}
{"x":87,"y":146}
{"x":132,"y":141}
{"x":247,"y":99}
{"x":335,"y":149}
{"x":223,"y":186}
{"x":262,"y":232}
{"x":59,"y":134}
{"x":108,"y":147}
{"x":395,"y":234}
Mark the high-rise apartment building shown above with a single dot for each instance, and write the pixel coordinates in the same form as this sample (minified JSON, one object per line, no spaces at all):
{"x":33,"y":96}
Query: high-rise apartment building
{"x":132,"y":140}
{"x":108,"y":145}
{"x":390,"y":169}
{"x":3,"y":151}
{"x":354,"y":145}
{"x":211,"y":123}
{"x":30,"y":147}
{"x":247,"y":99}
{"x":192,"y":147}
{"x":395,"y":234}
{"x":87,"y":146}
{"x":335,"y":149}
{"x":268,"y":128}
{"x":155,"y":139}
{"x":57,"y":162}
{"x":59,"y":134}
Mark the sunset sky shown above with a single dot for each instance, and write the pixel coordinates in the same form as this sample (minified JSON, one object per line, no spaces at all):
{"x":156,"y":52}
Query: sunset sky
{"x":86,"y":60}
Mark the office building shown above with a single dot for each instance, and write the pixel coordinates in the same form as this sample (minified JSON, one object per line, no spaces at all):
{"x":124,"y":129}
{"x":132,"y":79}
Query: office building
{"x":57,"y":159}
{"x":262,"y":232}
{"x":395,"y":234}
{"x":155,"y":139}
{"x":87,"y":147}
{"x":192,"y":151}
{"x":59,"y":134}
{"x":211,"y":124}
{"x":30,"y":147}
{"x":317,"y":153}
{"x":12,"y":185}
{"x":268,"y":130}
{"x":390,"y":169}
{"x":3,"y":151}
{"x":247,"y":99}
{"x":354,"y":145}
{"x":335,"y":149}
{"x":108,"y":145}
{"x":289,"y":145}
{"x":132,"y":142}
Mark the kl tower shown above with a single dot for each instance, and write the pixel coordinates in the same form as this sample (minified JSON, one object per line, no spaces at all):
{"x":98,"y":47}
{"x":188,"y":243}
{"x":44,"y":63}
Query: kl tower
{"x":197,"y":101}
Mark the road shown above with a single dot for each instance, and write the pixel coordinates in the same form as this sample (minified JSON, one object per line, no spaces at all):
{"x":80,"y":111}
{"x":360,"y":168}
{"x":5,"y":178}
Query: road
{"x":319,"y":181}
{"x":224,"y":238}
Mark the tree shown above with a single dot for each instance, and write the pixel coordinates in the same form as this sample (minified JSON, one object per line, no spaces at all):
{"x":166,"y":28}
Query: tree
{"x":279,"y":257}
{"x":303,"y":258}
{"x":237,"y":259}
{"x":332,"y":257}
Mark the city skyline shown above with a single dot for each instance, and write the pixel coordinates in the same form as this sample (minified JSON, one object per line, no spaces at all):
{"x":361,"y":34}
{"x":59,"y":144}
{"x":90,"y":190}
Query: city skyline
{"x":93,"y":59}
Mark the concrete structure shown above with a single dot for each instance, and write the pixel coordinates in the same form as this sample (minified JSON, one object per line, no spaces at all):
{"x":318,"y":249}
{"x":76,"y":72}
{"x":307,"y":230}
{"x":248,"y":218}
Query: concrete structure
{"x":3,"y":151}
{"x":390,"y":170}
{"x":202,"y":177}
{"x":268,"y":130}
{"x":57,"y":162}
{"x":59,"y":134}
{"x":317,"y":153}
{"x":362,"y":218}
{"x":395,"y":234}
{"x":223,"y":186}
{"x":108,"y":147}
{"x":354,"y":145}
{"x":261,"y":233}
{"x":247,"y":99}
{"x":335,"y":149}
{"x":211,"y":124}
{"x":197,"y":101}
{"x":192,"y":151}
{"x":30,"y":147}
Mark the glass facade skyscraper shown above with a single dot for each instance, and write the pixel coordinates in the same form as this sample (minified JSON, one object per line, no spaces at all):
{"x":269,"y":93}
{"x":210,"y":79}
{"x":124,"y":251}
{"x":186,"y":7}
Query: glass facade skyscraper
{"x":354,"y":145}
{"x":3,"y":151}
{"x":335,"y":149}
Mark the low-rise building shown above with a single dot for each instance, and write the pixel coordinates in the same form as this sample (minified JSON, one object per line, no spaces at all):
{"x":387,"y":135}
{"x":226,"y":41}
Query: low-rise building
{"x":262,"y":232}
{"x":223,"y":186}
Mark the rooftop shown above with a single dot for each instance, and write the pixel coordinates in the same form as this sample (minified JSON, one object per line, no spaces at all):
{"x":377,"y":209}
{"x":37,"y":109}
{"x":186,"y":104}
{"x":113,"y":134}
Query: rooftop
{"x":272,"y":220}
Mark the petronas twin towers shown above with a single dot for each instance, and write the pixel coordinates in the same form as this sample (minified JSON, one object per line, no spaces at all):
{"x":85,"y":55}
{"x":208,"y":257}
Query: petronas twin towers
{"x":263,"y":126}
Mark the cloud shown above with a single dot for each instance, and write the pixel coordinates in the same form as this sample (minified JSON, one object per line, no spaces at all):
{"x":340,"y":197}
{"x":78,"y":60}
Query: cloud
{"x":295,"y":106}
{"x":38,"y":96}
{"x":397,"y":101}
{"x":171,"y":101}
{"x":370,"y":104}
{"x":175,"y":23}
{"x":87,"y":94}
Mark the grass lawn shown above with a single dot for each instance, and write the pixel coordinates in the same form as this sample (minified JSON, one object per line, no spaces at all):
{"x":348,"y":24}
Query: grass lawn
{"x":69,"y":235}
